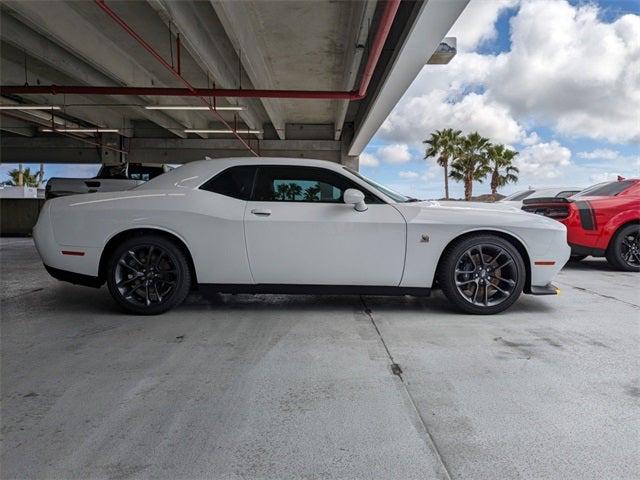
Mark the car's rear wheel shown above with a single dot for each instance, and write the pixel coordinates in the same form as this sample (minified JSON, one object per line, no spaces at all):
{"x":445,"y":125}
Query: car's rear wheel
{"x":148,"y":275}
{"x":624,"y":251}
{"x":482,"y":275}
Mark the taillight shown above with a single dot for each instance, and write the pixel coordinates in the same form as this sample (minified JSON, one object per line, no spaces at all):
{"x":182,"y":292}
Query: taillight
{"x":557,"y":212}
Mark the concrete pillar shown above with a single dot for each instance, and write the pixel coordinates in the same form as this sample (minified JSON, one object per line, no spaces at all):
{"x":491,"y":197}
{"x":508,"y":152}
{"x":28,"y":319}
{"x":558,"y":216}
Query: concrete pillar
{"x":108,"y":155}
{"x":351,"y":161}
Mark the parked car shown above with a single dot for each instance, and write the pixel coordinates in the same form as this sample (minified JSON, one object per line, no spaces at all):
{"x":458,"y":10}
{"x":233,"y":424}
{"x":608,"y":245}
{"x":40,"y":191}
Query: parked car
{"x":515,"y":199}
{"x":602,"y":221}
{"x":110,"y":178}
{"x":284,"y":225}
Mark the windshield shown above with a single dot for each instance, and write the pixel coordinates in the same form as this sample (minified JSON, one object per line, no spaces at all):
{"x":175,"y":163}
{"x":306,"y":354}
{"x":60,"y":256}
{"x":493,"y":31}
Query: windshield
{"x":397,"y":197}
{"x":516,"y":197}
{"x":607,"y":189}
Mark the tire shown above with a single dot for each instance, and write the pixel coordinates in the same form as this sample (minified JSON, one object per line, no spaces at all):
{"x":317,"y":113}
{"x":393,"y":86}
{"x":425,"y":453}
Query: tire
{"x":148,"y":275}
{"x":577,"y":258}
{"x":624,"y":250}
{"x":487,"y":287}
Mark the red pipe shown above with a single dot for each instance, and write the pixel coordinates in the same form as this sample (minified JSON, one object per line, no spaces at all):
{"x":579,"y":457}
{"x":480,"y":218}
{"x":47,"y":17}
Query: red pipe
{"x":163,"y":62}
{"x":178,"y":92}
{"x":388,"y":15}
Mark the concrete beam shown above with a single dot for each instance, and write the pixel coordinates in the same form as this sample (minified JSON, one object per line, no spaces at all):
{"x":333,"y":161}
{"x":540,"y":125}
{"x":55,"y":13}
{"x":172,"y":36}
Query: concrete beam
{"x":360,"y":18}
{"x":156,"y":150}
{"x":13,"y":124}
{"x":203,"y":36}
{"x":13,"y":73}
{"x":15,"y":33}
{"x":236,"y":20}
{"x":93,"y":45}
{"x":432,"y":23}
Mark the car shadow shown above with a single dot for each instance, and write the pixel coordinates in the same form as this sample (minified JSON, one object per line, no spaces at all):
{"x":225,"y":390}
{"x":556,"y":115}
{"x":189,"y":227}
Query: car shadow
{"x":590,"y":263}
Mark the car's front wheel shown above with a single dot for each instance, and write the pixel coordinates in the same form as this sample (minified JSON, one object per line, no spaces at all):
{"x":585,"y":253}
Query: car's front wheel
{"x":482,"y":275}
{"x":148,"y":275}
{"x":624,"y":251}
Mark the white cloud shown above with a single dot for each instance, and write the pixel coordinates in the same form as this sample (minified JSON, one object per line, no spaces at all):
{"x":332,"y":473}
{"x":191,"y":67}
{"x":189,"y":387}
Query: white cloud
{"x":368,"y":160}
{"x":572,"y":71}
{"x":408,"y":174}
{"x":600,"y":154}
{"x":603,"y":177}
{"x":394,"y":153}
{"x":476,"y":24}
{"x":543,"y":160}
{"x":416,"y":118}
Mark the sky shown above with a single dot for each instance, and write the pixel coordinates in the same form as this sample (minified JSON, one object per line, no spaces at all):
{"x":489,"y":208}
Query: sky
{"x":556,"y":80}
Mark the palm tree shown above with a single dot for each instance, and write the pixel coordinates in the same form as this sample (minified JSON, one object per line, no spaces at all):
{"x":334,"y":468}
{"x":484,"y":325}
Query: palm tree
{"x":502,"y":169}
{"x":294,"y":190}
{"x":28,"y":179}
{"x":282,"y":191}
{"x":311,"y":193}
{"x":470,"y":162}
{"x":442,"y":144}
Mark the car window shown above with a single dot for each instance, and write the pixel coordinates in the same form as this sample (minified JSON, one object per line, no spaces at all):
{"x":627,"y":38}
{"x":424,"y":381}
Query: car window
{"x":397,"y":197}
{"x":113,"y":171}
{"x":516,"y":197}
{"x":142,"y":172}
{"x":610,"y":189}
{"x":283,"y":183}
{"x":235,"y":182}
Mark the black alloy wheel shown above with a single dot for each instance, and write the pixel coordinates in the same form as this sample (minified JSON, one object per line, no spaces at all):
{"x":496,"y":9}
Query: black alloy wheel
{"x":624,"y":250}
{"x":482,"y":275}
{"x":148,"y":275}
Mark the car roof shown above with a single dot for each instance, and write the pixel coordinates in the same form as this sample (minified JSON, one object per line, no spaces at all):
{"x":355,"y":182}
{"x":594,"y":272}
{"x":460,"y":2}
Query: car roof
{"x":194,"y":174}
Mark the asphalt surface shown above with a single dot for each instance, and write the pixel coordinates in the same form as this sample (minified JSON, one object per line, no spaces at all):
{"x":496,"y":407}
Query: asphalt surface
{"x":273,"y":387}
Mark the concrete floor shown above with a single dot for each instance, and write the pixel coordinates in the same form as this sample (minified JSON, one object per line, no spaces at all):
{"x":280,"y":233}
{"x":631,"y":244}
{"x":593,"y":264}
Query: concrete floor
{"x":301,"y":386}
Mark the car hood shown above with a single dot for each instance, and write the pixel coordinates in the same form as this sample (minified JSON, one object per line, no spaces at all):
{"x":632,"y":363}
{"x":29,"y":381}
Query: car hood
{"x":474,"y":214}
{"x":466,"y":206}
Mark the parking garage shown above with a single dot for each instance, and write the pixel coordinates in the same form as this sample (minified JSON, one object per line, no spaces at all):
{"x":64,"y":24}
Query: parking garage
{"x":277,"y":386}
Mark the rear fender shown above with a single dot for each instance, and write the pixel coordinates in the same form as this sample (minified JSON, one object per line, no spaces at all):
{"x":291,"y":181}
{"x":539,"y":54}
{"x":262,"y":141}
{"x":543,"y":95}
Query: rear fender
{"x":610,"y":228}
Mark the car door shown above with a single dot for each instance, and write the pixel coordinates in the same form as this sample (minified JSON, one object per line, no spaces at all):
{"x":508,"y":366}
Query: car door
{"x":299,"y":231}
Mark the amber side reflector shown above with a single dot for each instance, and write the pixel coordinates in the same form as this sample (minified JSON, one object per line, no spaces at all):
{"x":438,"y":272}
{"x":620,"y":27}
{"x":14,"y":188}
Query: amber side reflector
{"x":71,"y":252}
{"x":544,"y":262}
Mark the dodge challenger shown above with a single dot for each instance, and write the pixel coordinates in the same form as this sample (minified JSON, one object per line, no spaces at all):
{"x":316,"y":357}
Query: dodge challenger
{"x":602,"y":221}
{"x":282,"y":225}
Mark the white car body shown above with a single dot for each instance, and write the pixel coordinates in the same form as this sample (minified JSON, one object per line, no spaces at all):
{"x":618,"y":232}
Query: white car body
{"x":550,"y":192}
{"x":232,"y":242}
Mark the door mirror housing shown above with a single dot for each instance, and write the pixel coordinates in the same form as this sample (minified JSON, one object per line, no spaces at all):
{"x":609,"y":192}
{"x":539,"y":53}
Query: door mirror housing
{"x":356,"y":198}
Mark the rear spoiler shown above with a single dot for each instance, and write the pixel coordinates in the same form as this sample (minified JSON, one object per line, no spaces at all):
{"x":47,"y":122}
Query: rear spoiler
{"x":534,"y":201}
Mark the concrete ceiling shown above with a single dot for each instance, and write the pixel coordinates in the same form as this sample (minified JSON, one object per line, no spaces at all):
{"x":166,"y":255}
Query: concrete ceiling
{"x":251,"y":44}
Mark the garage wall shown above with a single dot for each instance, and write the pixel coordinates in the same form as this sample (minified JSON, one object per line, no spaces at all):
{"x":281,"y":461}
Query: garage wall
{"x":18,"y":216}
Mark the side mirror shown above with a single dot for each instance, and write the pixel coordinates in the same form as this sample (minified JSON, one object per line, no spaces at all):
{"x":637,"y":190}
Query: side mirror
{"x":356,"y":198}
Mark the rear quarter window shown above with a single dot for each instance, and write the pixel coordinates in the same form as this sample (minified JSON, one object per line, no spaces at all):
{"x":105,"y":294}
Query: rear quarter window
{"x":234,"y":182}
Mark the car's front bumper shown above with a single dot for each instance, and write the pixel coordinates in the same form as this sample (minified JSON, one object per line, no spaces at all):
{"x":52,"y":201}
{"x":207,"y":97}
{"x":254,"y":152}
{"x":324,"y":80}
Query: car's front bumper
{"x":548,"y":289}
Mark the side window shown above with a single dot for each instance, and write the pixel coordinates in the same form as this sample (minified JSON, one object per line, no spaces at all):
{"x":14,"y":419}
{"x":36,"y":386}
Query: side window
{"x":303,"y":184}
{"x":235,"y":182}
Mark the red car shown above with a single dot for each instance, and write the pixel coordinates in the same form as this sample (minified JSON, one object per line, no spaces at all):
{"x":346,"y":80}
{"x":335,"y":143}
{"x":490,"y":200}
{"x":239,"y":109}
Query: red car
{"x":603,"y":221}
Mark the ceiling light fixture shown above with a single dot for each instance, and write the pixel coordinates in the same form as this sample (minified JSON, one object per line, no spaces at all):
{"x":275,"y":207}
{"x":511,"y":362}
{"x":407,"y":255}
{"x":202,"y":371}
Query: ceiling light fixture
{"x":29,"y":107}
{"x":240,"y":130}
{"x":79,"y":130}
{"x":190,"y":107}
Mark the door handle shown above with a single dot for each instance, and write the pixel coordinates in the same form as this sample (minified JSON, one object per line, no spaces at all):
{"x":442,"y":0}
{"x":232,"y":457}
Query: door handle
{"x":261,"y":211}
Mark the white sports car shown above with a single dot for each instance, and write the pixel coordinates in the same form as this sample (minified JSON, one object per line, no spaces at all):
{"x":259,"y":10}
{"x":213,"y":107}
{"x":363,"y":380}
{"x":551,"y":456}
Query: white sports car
{"x":283,"y":225}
